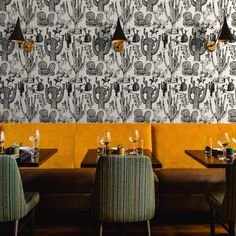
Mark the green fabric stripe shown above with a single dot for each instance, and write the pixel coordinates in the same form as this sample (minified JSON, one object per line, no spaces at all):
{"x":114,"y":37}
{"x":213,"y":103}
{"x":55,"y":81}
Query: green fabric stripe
{"x":12,"y":199}
{"x":124,"y":189}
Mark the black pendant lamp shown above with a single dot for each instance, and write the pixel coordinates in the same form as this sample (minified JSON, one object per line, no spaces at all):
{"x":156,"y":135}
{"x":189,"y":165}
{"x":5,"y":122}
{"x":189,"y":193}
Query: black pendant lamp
{"x":17,"y":34}
{"x":119,"y":38}
{"x":225,"y":34}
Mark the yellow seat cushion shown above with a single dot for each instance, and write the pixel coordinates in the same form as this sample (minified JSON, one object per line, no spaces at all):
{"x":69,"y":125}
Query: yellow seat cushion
{"x":87,"y":133}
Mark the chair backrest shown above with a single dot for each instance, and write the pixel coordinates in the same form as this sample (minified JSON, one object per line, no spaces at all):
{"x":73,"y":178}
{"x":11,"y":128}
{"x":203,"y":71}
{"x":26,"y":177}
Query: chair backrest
{"x":124,"y":189}
{"x":229,"y":202}
{"x":12,"y":199}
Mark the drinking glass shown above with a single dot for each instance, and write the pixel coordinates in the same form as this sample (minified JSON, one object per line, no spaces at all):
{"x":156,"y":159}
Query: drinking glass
{"x":106,"y":139}
{"x":134,"y":140}
{"x":140,"y":146}
{"x":37,"y":139}
{"x":100,"y":146}
{"x":32,"y":139}
{"x":223,"y":141}
{"x":208,"y":147}
{"x":35,"y":142}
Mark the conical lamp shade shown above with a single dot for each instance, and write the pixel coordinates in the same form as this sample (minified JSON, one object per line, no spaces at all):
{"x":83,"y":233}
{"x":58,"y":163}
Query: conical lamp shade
{"x":119,"y":33}
{"x":225,"y":34}
{"x":17,"y":34}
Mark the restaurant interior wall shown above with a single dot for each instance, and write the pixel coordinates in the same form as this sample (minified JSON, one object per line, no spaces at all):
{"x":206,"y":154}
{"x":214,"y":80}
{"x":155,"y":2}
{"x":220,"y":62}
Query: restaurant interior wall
{"x":165,"y":74}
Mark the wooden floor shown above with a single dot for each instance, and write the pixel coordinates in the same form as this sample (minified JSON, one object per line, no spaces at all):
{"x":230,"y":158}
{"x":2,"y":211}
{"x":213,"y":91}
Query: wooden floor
{"x":162,"y":225}
{"x":160,"y":230}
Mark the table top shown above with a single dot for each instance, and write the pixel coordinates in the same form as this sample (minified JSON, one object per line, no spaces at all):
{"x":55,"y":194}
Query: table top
{"x":44,"y":155}
{"x":90,"y":160}
{"x":209,"y":162}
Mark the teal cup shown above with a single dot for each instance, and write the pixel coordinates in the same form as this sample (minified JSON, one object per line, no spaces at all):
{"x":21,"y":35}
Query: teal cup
{"x":230,"y":152}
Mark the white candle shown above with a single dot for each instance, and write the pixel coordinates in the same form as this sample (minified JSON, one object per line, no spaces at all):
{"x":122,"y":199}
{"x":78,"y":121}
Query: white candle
{"x":108,"y":135}
{"x":136,"y":134}
{"x":37,"y":135}
{"x":2,"y":137}
{"x":220,"y":143}
{"x":227,"y":136}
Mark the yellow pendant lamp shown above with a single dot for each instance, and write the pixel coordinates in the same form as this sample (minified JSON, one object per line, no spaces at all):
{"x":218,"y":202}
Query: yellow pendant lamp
{"x":118,"y":38}
{"x":225,"y":36}
{"x":18,"y":37}
{"x":17,"y":34}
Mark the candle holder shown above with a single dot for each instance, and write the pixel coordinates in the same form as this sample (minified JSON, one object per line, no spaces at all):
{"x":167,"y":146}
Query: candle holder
{"x":2,"y":139}
{"x":1,"y":147}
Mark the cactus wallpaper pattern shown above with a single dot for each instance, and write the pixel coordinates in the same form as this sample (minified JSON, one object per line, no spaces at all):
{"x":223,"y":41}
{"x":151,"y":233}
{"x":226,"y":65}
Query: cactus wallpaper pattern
{"x":165,"y":74}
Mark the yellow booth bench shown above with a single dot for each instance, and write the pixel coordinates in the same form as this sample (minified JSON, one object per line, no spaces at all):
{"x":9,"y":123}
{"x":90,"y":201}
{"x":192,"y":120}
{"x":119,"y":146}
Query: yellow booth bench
{"x":181,"y":178}
{"x":167,"y":141}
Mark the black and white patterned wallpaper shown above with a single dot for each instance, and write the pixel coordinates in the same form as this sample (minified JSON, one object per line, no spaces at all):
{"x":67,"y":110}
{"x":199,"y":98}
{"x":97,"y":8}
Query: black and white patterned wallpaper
{"x":165,"y":74}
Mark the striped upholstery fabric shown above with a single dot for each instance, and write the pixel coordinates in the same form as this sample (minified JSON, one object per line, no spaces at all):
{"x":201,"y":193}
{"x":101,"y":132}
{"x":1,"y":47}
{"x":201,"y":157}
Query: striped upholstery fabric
{"x":13,"y":204}
{"x":124,"y":189}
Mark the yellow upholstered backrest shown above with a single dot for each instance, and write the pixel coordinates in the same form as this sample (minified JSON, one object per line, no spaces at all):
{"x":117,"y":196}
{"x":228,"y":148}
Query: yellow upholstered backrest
{"x":170,"y":140}
{"x":87,"y":133}
{"x":61,"y":136}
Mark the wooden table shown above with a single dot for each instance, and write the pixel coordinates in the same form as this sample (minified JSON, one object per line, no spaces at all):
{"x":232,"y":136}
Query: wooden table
{"x":35,"y":161}
{"x":214,"y":162}
{"x":90,"y":160}
{"x":209,"y":162}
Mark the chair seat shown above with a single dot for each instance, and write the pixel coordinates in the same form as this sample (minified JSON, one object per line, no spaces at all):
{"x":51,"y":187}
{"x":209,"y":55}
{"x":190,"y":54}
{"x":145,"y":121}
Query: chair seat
{"x":215,"y":201}
{"x":32,"y":199}
{"x":222,"y":205}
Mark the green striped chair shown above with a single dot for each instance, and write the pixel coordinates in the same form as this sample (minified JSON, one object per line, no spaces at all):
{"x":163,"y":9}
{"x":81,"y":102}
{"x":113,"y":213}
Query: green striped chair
{"x":14,"y":203}
{"x":124,"y":190}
